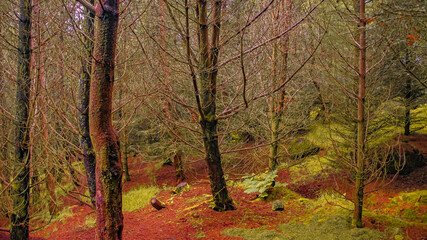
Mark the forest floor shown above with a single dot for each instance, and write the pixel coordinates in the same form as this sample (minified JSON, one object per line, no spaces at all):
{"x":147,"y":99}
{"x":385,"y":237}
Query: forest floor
{"x":312,"y":210}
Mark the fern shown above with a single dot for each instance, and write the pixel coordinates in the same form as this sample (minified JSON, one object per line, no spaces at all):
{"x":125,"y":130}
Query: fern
{"x":259,"y":183}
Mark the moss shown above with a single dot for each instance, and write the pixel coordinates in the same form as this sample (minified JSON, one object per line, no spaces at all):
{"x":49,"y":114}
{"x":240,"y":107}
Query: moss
{"x":336,"y":227}
{"x":138,"y":198}
{"x":301,"y":148}
{"x":64,"y":214}
{"x":312,"y":166}
{"x":410,"y":214}
{"x":390,"y":220}
{"x":421,"y":125}
{"x":90,"y":222}
{"x":414,"y":197}
{"x":201,"y":235}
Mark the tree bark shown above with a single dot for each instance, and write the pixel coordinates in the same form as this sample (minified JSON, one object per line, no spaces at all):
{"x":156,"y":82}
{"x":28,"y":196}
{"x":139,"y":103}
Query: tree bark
{"x":126,"y":155}
{"x":279,"y":73}
{"x":179,"y":168}
{"x":208,"y":67}
{"x":108,"y":171}
{"x":125,"y":144}
{"x":21,"y":166}
{"x":407,"y":99}
{"x":83,"y":103}
{"x":361,"y":128}
{"x":408,"y":94}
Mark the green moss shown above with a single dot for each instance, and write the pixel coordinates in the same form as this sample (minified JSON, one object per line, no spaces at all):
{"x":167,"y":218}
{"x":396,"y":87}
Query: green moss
{"x":312,"y":165}
{"x":90,"y":222}
{"x":390,"y":220}
{"x":201,"y":235}
{"x":421,"y":114}
{"x":414,"y":197}
{"x":335,"y":227}
{"x":65,"y":213}
{"x":301,"y":148}
{"x":410,"y":214}
{"x":138,"y":198}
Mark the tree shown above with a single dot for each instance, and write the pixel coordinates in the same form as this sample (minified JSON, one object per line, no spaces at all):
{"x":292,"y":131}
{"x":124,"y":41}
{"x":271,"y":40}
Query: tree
{"x":361,"y":137}
{"x":105,"y":140}
{"x":208,"y":70}
{"x":279,"y":76}
{"x":21,"y":164}
{"x":83,"y":98}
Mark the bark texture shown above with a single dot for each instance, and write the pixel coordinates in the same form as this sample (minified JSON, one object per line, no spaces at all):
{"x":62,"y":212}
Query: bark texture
{"x":21,"y":165}
{"x":83,"y":102}
{"x":360,"y":150}
{"x":208,"y":67}
{"x":408,"y":99}
{"x":108,"y":172}
{"x":279,"y":70}
{"x":179,"y":168}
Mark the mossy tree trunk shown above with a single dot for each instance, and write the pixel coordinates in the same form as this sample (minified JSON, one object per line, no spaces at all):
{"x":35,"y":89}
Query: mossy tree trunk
{"x":125,"y":145}
{"x":279,"y":75}
{"x":126,"y":155}
{"x":42,"y":105}
{"x":179,"y":168}
{"x":83,"y":102}
{"x":105,"y":140}
{"x":408,"y":98}
{"x":361,"y":128}
{"x":4,"y":161}
{"x":208,"y":70}
{"x":21,"y":165}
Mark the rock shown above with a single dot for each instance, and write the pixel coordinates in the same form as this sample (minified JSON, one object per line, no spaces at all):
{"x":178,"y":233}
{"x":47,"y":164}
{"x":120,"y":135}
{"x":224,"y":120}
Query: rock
{"x":181,"y":187}
{"x":301,"y":148}
{"x":404,"y":159}
{"x":278,"y":206}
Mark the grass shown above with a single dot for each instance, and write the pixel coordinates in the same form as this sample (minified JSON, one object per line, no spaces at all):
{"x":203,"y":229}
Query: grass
{"x":139,"y":198}
{"x":336,"y":227}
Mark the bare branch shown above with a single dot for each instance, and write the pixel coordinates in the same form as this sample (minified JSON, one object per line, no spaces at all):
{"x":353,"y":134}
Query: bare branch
{"x":273,"y":38}
{"x":87,"y":5}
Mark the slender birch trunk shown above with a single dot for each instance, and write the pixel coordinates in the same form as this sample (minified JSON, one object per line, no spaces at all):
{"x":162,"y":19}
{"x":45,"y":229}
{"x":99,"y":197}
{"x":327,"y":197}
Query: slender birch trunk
{"x":361,"y":128}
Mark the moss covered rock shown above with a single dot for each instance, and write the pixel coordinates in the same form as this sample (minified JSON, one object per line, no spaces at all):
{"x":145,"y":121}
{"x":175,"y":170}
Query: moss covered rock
{"x":278,"y":206}
{"x":301,"y":148}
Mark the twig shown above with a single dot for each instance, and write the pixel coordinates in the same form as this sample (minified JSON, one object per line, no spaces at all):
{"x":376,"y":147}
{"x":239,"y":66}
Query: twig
{"x":87,"y":5}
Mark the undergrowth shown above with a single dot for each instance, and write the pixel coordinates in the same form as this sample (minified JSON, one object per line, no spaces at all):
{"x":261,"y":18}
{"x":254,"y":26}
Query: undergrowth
{"x":332,"y":228}
{"x":139,"y":198}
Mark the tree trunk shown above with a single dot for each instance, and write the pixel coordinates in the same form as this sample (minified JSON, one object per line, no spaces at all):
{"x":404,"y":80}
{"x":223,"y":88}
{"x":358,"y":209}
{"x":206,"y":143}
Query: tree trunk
{"x":408,"y":108}
{"x":208,"y":74}
{"x":279,"y":73}
{"x":179,"y":169}
{"x":4,"y":161}
{"x":43,"y":106}
{"x":126,"y":155}
{"x":83,"y":102}
{"x":20,"y":183}
{"x":108,"y":171}
{"x":407,"y":100}
{"x":360,"y":153}
{"x":125,"y":143}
